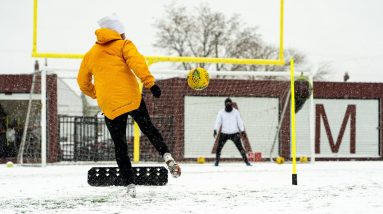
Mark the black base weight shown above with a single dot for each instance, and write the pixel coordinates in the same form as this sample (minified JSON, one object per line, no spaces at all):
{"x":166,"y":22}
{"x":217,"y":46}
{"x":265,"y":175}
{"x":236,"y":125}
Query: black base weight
{"x":295,"y":179}
{"x":111,"y":176}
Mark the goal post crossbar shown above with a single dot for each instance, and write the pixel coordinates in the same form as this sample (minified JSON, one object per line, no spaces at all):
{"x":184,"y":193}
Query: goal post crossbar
{"x":211,"y":73}
{"x":158,"y":59}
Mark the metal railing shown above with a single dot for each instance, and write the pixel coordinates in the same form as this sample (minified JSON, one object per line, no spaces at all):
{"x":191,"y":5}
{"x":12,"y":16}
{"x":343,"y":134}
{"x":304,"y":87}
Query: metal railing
{"x":87,"y":139}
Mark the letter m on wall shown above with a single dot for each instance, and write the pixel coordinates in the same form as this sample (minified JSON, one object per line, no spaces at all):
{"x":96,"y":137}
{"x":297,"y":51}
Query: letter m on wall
{"x":348,"y":116}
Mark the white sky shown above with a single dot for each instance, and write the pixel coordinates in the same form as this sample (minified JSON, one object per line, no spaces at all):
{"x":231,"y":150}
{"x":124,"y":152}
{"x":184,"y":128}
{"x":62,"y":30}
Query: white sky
{"x":345,"y":33}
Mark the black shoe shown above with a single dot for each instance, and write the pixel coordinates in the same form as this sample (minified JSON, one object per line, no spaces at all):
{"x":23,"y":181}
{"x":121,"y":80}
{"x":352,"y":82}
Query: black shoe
{"x":248,"y":164}
{"x":216,"y":164}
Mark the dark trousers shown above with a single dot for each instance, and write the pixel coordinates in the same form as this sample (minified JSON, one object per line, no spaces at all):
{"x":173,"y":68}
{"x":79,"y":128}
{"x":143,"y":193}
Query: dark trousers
{"x":237,"y":141}
{"x":117,"y":130}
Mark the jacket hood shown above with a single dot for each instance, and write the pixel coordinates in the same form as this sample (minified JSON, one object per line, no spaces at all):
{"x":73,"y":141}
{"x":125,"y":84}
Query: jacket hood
{"x":105,"y":35}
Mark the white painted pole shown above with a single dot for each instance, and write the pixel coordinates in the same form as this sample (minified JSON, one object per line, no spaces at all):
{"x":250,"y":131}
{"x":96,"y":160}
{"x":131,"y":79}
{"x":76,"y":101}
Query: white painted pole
{"x":43,"y":117}
{"x":312,"y":119}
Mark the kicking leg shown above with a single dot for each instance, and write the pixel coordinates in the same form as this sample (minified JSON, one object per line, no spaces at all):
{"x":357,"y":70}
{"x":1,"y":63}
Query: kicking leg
{"x":141,"y":116}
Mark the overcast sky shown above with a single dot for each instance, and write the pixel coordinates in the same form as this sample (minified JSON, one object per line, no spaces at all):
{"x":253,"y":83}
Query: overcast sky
{"x":347,"y":34}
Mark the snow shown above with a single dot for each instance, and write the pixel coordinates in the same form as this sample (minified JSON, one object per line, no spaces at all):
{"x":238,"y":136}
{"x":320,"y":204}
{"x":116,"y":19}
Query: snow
{"x":323,"y":187}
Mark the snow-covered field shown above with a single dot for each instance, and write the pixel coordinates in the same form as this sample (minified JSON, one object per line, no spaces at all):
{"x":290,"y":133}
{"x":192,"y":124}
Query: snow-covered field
{"x":323,"y":187}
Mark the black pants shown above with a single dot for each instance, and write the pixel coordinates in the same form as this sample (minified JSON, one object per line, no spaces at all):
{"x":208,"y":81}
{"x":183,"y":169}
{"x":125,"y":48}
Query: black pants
{"x":237,"y":141}
{"x":117,"y":129}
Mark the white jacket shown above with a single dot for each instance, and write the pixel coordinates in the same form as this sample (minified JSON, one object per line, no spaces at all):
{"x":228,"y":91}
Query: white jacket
{"x":231,"y":122}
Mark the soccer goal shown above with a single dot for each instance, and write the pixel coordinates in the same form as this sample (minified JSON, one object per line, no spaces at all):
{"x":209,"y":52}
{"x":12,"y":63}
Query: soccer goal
{"x":264,"y":106}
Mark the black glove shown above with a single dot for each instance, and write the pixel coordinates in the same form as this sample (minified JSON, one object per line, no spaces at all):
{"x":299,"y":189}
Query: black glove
{"x":156,"y":91}
{"x":215,"y":133}
{"x":243,"y":134}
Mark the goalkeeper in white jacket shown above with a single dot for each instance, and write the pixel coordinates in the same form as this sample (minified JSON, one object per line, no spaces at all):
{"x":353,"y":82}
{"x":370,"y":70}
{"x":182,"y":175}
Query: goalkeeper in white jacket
{"x":230,"y":124}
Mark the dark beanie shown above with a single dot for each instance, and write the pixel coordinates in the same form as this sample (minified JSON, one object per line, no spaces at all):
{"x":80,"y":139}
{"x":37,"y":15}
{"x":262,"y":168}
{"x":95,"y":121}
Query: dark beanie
{"x":227,"y":100}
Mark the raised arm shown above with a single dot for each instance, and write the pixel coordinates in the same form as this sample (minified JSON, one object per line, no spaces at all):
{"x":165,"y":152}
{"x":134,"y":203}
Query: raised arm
{"x":138,"y":64}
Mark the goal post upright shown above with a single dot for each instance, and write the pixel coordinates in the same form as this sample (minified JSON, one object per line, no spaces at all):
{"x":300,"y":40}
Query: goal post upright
{"x":281,"y":30}
{"x":292,"y":129}
{"x":34,"y":37}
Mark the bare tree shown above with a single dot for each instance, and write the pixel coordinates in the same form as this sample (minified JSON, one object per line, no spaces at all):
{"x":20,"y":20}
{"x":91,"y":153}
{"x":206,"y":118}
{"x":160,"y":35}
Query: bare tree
{"x":174,"y":32}
{"x":207,"y":33}
{"x":323,"y":71}
{"x":203,"y":33}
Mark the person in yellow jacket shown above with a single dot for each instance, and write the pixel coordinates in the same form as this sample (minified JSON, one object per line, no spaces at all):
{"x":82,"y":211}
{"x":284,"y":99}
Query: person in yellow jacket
{"x":108,"y":73}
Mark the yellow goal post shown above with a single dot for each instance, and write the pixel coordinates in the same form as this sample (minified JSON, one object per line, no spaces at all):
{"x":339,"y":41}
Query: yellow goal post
{"x":157,"y":59}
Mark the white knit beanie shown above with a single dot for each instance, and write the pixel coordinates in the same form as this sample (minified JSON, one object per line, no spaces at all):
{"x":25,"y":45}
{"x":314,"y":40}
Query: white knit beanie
{"x":112,"y":22}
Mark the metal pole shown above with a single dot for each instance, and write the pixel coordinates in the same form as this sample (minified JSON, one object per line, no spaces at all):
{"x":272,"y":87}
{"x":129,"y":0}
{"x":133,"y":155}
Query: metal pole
{"x":43,"y":121}
{"x":280,"y":124}
{"x":20,"y":154}
{"x":293,"y":134}
{"x":311,"y":119}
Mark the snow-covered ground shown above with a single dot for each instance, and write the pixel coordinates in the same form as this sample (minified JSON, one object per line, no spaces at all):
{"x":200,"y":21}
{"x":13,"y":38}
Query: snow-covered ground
{"x":323,"y":187}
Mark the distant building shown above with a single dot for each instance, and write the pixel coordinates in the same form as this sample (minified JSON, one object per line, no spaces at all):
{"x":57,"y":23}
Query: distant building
{"x":90,"y":106}
{"x":14,"y":97}
{"x":68,"y":102}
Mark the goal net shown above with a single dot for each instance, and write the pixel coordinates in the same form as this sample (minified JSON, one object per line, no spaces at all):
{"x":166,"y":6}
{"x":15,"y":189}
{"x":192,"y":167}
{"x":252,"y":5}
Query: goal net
{"x":185,"y":118}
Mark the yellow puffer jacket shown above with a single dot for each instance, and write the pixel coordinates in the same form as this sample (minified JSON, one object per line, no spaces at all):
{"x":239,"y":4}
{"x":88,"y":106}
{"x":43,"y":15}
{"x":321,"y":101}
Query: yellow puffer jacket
{"x":110,"y":63}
